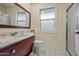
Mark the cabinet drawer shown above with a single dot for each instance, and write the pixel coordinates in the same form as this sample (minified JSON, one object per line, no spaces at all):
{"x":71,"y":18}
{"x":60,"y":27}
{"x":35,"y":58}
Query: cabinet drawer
{"x":18,"y":49}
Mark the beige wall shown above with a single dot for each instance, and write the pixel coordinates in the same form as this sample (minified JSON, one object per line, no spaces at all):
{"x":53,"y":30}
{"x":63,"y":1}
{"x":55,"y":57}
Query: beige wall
{"x":26,"y":6}
{"x":2,"y":10}
{"x":54,"y":40}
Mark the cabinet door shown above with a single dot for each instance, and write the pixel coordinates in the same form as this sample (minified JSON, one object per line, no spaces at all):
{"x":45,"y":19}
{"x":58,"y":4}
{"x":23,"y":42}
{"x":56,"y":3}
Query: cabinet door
{"x":21,"y":48}
{"x":24,"y":47}
{"x":5,"y":52}
{"x":18,"y":49}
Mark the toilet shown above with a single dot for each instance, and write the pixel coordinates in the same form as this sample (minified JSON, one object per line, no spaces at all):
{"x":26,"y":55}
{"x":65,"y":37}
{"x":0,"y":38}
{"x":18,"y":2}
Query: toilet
{"x":38,"y":47}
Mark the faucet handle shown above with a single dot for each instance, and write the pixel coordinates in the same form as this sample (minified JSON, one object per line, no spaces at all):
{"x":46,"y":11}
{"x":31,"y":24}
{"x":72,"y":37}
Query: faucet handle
{"x":14,"y":33}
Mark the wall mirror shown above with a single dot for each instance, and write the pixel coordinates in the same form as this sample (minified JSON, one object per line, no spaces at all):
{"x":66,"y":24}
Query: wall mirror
{"x":13,"y":15}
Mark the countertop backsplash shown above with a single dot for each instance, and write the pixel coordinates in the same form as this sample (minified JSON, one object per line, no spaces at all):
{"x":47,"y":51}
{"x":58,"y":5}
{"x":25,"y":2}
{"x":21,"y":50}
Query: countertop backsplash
{"x":13,"y":32}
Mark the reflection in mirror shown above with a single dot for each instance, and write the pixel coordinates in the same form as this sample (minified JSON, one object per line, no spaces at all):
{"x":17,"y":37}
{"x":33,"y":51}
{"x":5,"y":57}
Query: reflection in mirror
{"x":11,"y":14}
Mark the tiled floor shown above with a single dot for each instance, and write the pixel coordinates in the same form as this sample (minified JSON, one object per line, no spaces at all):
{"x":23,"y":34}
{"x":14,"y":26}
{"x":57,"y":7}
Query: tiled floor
{"x":43,"y":50}
{"x":48,"y":52}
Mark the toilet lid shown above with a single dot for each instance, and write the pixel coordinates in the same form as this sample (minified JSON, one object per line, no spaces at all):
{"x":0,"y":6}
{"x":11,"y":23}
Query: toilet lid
{"x":38,"y":41}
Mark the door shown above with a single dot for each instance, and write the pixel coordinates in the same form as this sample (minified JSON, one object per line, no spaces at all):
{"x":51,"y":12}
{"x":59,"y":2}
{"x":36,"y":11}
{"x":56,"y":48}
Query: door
{"x":71,"y":18}
{"x":77,"y":31}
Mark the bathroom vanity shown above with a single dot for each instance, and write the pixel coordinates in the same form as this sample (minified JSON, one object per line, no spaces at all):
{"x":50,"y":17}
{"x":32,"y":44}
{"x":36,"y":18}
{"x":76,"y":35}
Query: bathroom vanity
{"x":15,"y":44}
{"x":19,"y":46}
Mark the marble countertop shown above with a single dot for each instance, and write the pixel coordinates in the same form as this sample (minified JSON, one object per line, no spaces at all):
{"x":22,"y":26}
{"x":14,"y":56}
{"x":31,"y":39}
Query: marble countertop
{"x":8,"y":40}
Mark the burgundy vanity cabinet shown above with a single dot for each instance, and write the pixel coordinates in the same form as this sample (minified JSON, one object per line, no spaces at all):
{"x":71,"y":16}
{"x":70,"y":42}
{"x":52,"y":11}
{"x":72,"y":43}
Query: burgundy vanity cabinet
{"x":20,"y":48}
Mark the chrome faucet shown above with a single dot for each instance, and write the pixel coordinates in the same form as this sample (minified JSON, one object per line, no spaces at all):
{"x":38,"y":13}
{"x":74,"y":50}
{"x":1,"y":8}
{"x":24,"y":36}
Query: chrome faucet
{"x":13,"y":34}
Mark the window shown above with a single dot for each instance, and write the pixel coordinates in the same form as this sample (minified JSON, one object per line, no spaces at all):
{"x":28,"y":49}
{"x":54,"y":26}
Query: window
{"x":47,"y":19}
{"x":21,"y":18}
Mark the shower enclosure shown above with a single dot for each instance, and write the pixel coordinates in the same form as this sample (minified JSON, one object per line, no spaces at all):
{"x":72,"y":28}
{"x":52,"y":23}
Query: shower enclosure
{"x":72,"y":30}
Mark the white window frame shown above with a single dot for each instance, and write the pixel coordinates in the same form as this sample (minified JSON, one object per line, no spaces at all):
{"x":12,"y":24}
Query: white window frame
{"x":55,"y":30}
{"x":17,"y":17}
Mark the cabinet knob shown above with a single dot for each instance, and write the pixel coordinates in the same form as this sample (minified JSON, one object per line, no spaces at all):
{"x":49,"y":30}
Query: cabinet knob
{"x":13,"y":51}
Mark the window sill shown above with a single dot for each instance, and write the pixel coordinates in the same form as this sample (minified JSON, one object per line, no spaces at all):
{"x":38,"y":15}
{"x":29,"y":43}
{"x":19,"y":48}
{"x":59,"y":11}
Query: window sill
{"x":47,"y":32}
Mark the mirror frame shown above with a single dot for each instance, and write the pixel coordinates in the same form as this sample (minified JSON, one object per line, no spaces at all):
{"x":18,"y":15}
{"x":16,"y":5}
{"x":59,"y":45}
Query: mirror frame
{"x":15,"y":26}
